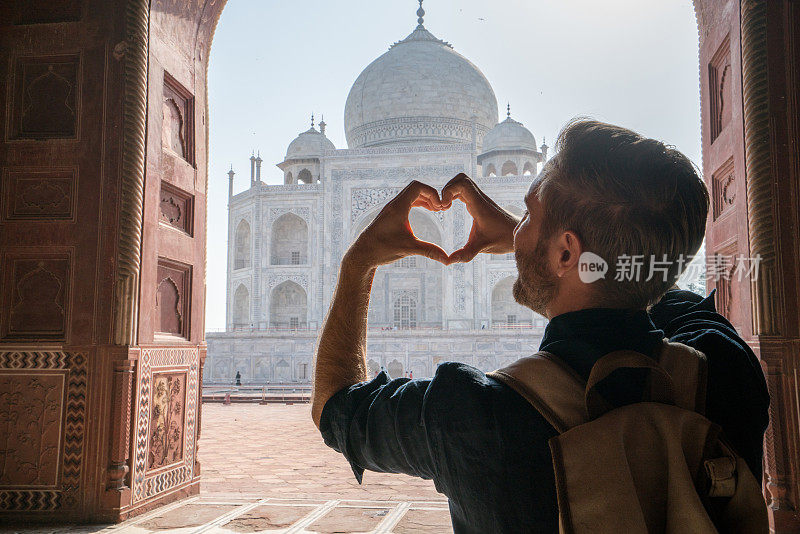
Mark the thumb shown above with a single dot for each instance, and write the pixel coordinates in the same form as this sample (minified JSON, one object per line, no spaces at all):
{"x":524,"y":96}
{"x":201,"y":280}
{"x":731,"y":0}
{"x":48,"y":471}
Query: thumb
{"x":464,"y":255}
{"x":429,"y":250}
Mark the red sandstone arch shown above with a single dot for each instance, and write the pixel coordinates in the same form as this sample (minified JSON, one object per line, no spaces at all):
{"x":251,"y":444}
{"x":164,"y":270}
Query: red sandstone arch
{"x":107,"y":241}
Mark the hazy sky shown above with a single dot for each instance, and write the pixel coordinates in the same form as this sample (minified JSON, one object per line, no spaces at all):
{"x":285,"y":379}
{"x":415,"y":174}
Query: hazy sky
{"x":273,"y":63}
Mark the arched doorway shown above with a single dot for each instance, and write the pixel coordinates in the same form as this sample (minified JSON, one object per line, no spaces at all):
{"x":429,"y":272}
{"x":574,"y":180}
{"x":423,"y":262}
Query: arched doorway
{"x":288,"y":307}
{"x":242,"y":254}
{"x":506,"y":313}
{"x":241,"y":307}
{"x":289,"y":241}
{"x":120,"y":295}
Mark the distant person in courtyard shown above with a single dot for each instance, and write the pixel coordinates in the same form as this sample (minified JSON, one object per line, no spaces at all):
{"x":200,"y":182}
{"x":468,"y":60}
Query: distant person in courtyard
{"x":607,"y":191}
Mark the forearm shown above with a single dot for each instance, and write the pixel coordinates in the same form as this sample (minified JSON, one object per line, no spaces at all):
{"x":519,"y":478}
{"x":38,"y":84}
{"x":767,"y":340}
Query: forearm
{"x":341,"y":352}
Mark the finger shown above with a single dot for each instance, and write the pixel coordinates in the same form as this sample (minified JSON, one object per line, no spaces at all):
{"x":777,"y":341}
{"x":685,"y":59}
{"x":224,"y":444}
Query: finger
{"x":464,"y":255}
{"x":422,"y":202}
{"x":416,"y":190}
{"x":461,"y":187}
{"x":429,"y":250}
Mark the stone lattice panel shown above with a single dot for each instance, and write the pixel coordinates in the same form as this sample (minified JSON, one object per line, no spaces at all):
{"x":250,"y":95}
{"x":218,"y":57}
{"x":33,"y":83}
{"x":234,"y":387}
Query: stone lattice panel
{"x":46,"y":98}
{"x":41,"y":470}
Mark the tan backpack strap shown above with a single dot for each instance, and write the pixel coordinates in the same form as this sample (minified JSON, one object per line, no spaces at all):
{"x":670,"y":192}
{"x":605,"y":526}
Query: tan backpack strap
{"x":688,"y":368}
{"x":659,"y":384}
{"x":553,"y":388}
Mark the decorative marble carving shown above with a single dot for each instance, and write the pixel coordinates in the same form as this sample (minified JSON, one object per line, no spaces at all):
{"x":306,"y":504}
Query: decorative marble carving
{"x":496,"y":276}
{"x":47,"y":390}
{"x":279,"y":278}
{"x":489,"y":181}
{"x":302,"y":212}
{"x":364,"y":199}
{"x":402,"y":149}
{"x":459,"y":275}
{"x":399,"y":175}
{"x":46,"y":97}
{"x":306,"y":188}
{"x":437,"y":129}
{"x":166,"y":419}
{"x":39,"y":194}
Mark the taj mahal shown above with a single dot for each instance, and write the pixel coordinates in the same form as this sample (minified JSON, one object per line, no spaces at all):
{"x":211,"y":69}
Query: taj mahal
{"x":421,"y":111}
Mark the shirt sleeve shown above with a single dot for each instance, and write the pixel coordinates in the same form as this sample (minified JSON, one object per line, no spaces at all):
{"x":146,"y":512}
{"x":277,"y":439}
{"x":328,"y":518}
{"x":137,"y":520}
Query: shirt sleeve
{"x":736,"y":391}
{"x":380,"y":425}
{"x":412,"y":426}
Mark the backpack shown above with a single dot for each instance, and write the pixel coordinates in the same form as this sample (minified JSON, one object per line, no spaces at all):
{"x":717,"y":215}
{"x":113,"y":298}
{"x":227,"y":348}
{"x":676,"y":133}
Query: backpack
{"x":656,"y":466}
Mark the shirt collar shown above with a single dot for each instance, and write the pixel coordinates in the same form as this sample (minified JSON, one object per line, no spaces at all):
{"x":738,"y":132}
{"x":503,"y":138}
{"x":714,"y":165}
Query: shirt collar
{"x":580,"y":337}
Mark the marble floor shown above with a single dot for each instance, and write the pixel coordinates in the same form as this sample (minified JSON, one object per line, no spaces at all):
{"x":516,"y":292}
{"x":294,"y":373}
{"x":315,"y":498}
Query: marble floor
{"x":266,"y":469}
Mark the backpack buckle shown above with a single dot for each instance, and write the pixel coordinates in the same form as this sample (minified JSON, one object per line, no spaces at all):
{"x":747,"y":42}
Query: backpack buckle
{"x":722,"y":476}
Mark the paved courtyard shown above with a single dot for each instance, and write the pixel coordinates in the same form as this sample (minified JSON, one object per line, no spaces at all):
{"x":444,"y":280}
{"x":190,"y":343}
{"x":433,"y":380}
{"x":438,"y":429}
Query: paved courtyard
{"x":276,"y":450}
{"x":266,"y":469}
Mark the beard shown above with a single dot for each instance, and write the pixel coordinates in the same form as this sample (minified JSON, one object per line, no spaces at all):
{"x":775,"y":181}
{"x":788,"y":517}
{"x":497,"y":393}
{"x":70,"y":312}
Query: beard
{"x":535,"y":286}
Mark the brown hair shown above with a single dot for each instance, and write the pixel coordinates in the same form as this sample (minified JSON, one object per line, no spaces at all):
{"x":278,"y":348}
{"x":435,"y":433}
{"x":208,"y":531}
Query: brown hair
{"x":624,"y":196}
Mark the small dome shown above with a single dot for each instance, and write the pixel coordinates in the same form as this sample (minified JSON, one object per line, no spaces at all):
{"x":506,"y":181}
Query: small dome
{"x":309,"y":144}
{"x":509,"y":135}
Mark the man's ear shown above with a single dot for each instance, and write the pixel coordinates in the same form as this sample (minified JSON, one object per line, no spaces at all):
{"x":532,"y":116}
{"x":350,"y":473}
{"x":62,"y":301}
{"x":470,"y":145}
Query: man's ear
{"x":568,"y":251}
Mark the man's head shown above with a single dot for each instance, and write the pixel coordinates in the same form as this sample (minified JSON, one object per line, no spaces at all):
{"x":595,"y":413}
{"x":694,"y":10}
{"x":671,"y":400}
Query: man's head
{"x":611,"y":192}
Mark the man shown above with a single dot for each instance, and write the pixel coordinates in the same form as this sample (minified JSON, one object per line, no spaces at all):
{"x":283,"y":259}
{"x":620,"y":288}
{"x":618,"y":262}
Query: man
{"x":608,"y":191}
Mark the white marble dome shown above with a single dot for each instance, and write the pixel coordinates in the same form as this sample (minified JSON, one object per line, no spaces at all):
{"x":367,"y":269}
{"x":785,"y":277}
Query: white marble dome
{"x":509,"y":135}
{"x":419,"y":92}
{"x":309,"y":144}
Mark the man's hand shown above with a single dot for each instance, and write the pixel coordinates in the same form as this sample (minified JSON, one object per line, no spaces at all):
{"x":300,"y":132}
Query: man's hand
{"x":492,"y":226}
{"x":389,"y":237}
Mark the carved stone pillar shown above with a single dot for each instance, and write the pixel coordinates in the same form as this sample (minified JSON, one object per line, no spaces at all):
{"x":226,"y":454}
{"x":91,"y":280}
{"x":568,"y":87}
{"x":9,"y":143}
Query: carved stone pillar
{"x":118,"y":469}
{"x":769,"y":85}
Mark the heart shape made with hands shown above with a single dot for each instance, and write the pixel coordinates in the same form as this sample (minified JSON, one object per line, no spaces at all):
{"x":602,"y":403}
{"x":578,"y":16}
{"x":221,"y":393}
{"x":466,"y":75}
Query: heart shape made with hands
{"x":492,"y":227}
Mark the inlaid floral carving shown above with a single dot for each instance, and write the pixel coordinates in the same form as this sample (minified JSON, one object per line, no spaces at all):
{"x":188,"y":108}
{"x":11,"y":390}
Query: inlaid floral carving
{"x":166,"y":420}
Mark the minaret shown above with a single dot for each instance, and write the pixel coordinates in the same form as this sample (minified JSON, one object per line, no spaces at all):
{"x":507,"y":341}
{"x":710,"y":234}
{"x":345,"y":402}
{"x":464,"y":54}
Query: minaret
{"x":252,"y":168}
{"x":258,"y":168}
{"x":321,"y":125}
{"x":230,"y":184}
{"x":543,"y":149}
